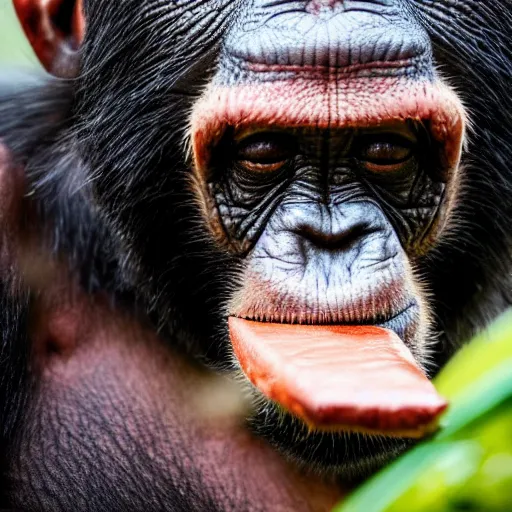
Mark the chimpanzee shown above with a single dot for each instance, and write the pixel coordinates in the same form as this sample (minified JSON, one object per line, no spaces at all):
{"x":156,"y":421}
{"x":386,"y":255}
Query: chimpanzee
{"x":237,"y":237}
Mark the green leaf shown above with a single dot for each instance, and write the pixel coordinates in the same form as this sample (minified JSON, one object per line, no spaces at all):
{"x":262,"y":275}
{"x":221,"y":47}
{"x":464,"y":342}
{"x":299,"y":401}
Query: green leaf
{"x":382,"y":491}
{"x":483,"y":355}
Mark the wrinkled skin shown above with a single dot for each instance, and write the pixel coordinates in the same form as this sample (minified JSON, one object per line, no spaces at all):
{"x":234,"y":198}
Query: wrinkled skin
{"x":131,"y":236}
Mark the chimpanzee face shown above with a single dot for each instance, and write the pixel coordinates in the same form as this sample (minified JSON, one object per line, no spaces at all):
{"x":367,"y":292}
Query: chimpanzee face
{"x":322,"y":165}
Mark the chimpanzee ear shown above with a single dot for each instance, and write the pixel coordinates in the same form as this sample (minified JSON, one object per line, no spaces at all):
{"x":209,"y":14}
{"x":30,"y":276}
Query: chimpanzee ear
{"x":55,"y":29}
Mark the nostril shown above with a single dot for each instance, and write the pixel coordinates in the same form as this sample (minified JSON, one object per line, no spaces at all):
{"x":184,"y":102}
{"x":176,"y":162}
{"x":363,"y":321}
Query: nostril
{"x":334,"y":241}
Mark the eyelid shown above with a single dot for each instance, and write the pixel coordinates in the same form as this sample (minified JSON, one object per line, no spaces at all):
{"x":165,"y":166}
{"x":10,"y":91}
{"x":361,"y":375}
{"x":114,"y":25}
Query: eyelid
{"x":402,"y":152}
{"x":385,"y":142}
{"x":261,"y":168}
{"x":260,"y":150}
{"x":265,"y":151}
{"x":398,"y":130}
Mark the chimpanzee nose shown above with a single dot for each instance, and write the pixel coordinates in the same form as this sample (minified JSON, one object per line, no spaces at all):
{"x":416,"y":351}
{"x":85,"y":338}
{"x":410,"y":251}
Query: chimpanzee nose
{"x":342,"y":239}
{"x":328,"y":228}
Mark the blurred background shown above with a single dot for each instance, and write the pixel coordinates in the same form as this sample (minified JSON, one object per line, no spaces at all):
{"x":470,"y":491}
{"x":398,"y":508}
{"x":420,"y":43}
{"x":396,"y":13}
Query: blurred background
{"x":14,"y":49}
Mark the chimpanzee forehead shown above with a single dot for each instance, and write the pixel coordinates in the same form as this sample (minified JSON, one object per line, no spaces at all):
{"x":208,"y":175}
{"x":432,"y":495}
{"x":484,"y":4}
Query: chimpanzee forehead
{"x":161,"y":18}
{"x":198,"y":21}
{"x":160,"y":6}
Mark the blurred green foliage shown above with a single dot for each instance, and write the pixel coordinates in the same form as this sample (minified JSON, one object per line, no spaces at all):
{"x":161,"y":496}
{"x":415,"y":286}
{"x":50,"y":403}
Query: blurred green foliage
{"x":14,"y":49}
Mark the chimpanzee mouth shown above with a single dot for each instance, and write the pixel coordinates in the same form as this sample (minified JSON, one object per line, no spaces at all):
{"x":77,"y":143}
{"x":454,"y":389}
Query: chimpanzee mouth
{"x":308,"y":368}
{"x":336,"y":397}
{"x":403,"y":322}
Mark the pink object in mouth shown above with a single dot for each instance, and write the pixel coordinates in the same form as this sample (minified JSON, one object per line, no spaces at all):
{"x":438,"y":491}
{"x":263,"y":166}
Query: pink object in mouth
{"x":339,"y":378}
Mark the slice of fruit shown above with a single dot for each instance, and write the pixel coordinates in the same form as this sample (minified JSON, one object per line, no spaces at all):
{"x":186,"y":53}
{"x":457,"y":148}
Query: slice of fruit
{"x":333,"y":377}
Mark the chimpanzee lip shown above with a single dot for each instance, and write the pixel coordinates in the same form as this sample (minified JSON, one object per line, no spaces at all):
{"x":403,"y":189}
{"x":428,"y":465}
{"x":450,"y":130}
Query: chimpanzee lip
{"x":398,"y":322}
{"x":317,"y":320}
{"x":339,"y":378}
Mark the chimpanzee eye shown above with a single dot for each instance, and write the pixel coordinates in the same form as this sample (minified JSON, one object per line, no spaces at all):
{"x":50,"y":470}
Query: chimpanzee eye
{"x":265,"y":152}
{"x":385,"y":154}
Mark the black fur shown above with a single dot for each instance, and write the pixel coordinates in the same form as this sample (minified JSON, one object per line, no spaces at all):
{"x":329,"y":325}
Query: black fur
{"x":470,"y":271}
